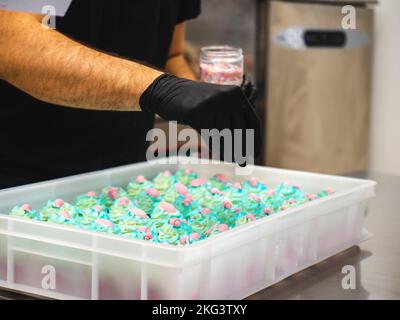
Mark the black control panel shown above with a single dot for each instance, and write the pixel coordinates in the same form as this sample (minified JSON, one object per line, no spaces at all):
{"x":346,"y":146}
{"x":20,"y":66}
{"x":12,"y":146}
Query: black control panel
{"x":324,"y":38}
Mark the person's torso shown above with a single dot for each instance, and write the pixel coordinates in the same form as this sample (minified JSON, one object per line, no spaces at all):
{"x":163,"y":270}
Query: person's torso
{"x":42,"y":141}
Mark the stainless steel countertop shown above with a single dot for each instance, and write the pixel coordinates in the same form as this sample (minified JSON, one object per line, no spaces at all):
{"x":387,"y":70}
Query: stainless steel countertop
{"x":376,"y":262}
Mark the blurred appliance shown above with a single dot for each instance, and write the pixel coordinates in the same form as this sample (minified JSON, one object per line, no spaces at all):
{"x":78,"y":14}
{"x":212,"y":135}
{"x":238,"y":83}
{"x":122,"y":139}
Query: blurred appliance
{"x":317,"y":85}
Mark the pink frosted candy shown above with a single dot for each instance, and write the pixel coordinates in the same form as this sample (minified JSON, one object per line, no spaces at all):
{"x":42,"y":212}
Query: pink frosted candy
{"x":140,"y":179}
{"x":97,"y":208}
{"x":153,"y":192}
{"x":194,"y":236}
{"x":250,"y":216}
{"x":215,"y":191}
{"x":221,"y":177}
{"x":223,"y":228}
{"x":167,"y":173}
{"x":148,"y":236}
{"x":183,"y":240}
{"x":189,"y":171}
{"x":167,"y":207}
{"x":65,"y":215}
{"x":175,"y":222}
{"x":91,"y":194}
{"x":330,"y":190}
{"x":263,"y":182}
{"x":124,"y":201}
{"x":104,"y":222}
{"x":205,"y":211}
{"x":267,"y":211}
{"x":58,"y":203}
{"x":270,"y":192}
{"x":143,"y":229}
{"x":237,"y":185}
{"x":188,"y":200}
{"x":237,"y":210}
{"x":312,"y":196}
{"x":26,"y":207}
{"x":292,"y":201}
{"x":227,"y":204}
{"x":254,"y":181}
{"x":181,"y":188}
{"x":198,"y":182}
{"x":254,"y":197}
{"x":113,"y":193}
{"x":138,"y":213}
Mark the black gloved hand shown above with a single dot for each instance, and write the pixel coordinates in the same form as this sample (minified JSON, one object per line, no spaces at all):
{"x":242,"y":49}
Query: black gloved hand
{"x":249,"y":89}
{"x":202,"y":106}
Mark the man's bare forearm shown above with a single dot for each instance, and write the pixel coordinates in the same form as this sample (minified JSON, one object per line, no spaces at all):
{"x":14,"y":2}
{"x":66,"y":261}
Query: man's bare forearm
{"x":53,"y":68}
{"x":179,"y":66}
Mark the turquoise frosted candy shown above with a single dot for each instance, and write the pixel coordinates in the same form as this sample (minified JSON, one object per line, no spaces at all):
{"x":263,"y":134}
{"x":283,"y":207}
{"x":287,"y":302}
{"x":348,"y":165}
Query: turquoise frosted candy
{"x":55,"y":207}
{"x":136,"y":218}
{"x":168,"y":234}
{"x":236,"y":194}
{"x":288,"y":191}
{"x":163,"y":181}
{"x":244,"y":218}
{"x":109,"y":194}
{"x":185,"y":176}
{"x":88,"y":200}
{"x":178,"y":195}
{"x":219,"y":181}
{"x":182,"y":210}
{"x":254,"y":185}
{"x":139,"y":184}
{"x":25,"y":211}
{"x":251,"y":203}
{"x":120,"y":209}
{"x":104,"y":225}
{"x":62,"y":218}
{"x":201,"y":222}
{"x":218,"y":228}
{"x":202,"y":194}
{"x":148,"y":199}
{"x":96,"y":212}
{"x":166,"y":213}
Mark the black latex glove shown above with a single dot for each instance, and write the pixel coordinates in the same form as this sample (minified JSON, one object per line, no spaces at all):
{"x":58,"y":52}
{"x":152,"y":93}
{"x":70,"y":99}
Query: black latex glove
{"x":202,"y":106}
{"x":249,"y":89}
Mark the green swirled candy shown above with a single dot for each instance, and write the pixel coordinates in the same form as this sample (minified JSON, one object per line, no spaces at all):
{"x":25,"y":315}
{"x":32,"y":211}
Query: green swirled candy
{"x":148,"y":199}
{"x":255,"y":186}
{"x":109,"y":194}
{"x":186,"y":176}
{"x":163,"y":181}
{"x":25,"y":211}
{"x":219,"y":181}
{"x":87,"y":200}
{"x":120,"y":209}
{"x":55,"y":207}
{"x":168,"y":234}
{"x":138,"y":185}
{"x":202,"y":221}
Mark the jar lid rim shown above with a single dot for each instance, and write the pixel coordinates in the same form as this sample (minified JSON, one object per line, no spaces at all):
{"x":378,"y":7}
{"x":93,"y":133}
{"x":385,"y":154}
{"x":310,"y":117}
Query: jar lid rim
{"x":221,"y":51}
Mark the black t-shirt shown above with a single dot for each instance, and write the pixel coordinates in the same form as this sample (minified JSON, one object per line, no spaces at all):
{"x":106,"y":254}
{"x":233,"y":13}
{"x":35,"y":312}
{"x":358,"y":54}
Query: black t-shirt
{"x":40,"y":141}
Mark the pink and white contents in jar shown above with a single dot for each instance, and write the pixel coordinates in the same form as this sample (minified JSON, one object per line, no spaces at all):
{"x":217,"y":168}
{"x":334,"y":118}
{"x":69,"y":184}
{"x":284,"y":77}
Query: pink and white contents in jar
{"x":221,"y":65}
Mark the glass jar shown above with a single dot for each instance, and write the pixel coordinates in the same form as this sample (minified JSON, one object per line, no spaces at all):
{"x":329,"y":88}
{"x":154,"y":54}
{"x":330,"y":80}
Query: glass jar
{"x":221,"y":65}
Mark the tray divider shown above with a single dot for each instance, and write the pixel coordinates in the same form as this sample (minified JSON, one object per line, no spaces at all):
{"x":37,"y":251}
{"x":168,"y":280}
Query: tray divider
{"x":10,"y":257}
{"x":95,"y":271}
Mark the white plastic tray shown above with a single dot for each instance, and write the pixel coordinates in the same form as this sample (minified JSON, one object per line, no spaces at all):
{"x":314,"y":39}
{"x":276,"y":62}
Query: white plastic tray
{"x":69,"y":263}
